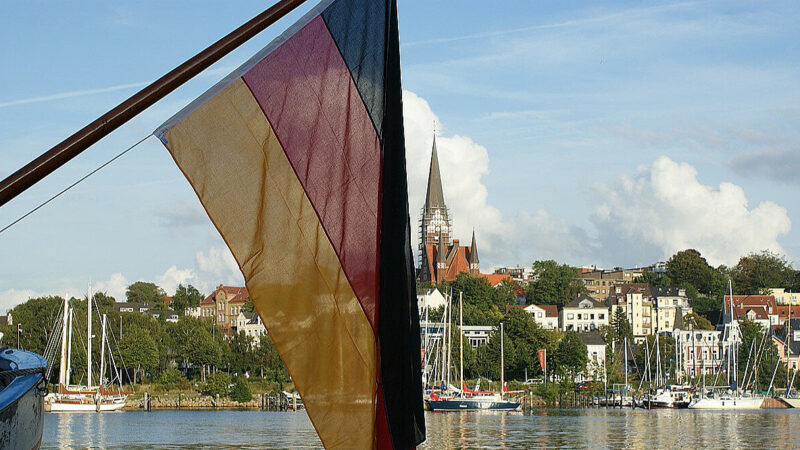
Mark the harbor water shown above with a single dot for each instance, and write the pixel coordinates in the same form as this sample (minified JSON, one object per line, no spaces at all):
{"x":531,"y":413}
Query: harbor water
{"x":565,"y":428}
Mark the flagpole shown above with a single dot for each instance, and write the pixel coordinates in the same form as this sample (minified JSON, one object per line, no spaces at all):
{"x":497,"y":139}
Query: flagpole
{"x":49,"y":161}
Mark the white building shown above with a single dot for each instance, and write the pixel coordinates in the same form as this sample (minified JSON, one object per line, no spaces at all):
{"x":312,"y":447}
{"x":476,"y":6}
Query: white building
{"x":634,"y":299}
{"x":701,"y":351}
{"x":193,"y":311}
{"x":430,"y":298}
{"x":784,"y":298}
{"x":596,"y":355}
{"x":475,"y":334}
{"x":669,"y":302}
{"x":250,"y":323}
{"x":545,"y":315}
{"x":583,"y":314}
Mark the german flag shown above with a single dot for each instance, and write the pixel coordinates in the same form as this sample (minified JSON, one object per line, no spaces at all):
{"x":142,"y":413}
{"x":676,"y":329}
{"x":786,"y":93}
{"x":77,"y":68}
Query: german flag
{"x":298,"y":158}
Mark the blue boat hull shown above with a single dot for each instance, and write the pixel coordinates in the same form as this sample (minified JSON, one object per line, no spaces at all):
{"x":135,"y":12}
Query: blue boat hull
{"x":21,"y":402}
{"x":472,"y":405}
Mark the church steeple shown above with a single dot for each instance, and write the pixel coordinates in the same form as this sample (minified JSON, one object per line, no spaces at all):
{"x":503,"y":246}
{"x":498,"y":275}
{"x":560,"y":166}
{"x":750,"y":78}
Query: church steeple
{"x":474,"y":263}
{"x":434,"y":198}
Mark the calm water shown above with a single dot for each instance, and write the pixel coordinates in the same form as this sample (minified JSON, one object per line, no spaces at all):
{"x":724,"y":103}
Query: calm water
{"x":595,"y":428}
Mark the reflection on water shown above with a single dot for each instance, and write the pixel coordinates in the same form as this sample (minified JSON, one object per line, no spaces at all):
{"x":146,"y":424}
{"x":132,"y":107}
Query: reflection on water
{"x":597,"y":428}
{"x":614,"y":428}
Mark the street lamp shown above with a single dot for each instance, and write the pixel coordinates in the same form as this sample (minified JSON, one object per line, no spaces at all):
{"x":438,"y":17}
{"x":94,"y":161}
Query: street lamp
{"x":19,"y":330}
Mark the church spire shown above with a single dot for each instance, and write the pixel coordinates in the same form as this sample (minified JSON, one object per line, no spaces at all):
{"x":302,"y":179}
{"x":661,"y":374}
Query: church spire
{"x":434,"y":198}
{"x":473,"y":252}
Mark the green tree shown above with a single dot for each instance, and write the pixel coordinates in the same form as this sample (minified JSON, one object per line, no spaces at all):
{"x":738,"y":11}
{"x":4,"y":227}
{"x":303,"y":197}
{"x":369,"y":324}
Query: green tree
{"x":689,"y":268}
{"x":139,"y":351}
{"x":758,"y":271}
{"x":477,"y":291}
{"x":554,"y":284}
{"x":697,"y":321}
{"x":488,"y":356}
{"x":528,"y":338}
{"x":185,"y":297}
{"x":217,"y":384}
{"x":570,"y":357}
{"x":240,"y":392}
{"x":652,"y":278}
{"x":620,"y":326}
{"x":248,"y":305}
{"x":145,"y":292}
{"x":505,"y":294}
{"x":270,"y":362}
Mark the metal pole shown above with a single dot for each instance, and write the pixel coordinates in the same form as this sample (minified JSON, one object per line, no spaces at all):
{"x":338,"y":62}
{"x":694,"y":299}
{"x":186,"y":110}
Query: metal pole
{"x":502,"y":362}
{"x":71,"y":147}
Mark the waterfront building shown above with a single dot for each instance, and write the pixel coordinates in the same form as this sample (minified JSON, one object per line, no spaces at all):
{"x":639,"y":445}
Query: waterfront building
{"x":759,"y":308}
{"x":250,"y":324}
{"x":477,"y":335}
{"x":545,"y":315}
{"x":583,"y":314}
{"x":431,"y":298}
{"x":671,"y":303}
{"x":193,"y":311}
{"x":635,"y":301}
{"x":784,"y":298}
{"x":442,"y":257}
{"x":223,"y":306}
{"x":787,"y":339}
{"x":701,"y":351}
{"x":127,"y":307}
{"x":596,"y":355}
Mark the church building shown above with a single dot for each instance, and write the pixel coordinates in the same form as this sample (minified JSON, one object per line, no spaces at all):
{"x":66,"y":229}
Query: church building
{"x":442,"y":257}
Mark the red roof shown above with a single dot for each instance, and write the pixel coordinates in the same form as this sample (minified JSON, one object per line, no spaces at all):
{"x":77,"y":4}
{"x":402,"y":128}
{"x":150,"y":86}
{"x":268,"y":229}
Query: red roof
{"x":496,"y":278}
{"x":235,"y":294}
{"x":549,"y":310}
{"x":767,"y":301}
{"x":783,"y":312}
{"x":760,"y":312}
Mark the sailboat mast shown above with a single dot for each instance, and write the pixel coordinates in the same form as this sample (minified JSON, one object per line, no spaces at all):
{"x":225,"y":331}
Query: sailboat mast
{"x":502,"y":362}
{"x":449,"y":337}
{"x":69,"y":347}
{"x":102,"y":353}
{"x":626,"y":362}
{"x":62,"y":370}
{"x":658,"y":362}
{"x":461,"y":340}
{"x":89,"y":337}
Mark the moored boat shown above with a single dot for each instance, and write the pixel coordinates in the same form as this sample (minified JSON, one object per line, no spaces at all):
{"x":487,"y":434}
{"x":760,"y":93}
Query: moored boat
{"x":21,"y":399}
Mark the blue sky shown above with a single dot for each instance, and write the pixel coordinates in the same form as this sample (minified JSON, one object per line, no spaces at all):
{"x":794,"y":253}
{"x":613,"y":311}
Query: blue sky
{"x":608,"y":133}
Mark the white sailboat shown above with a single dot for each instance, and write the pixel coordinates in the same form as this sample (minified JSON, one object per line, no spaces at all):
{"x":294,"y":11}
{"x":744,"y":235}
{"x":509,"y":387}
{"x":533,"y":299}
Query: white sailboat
{"x":732,"y":398}
{"x":88,"y":397}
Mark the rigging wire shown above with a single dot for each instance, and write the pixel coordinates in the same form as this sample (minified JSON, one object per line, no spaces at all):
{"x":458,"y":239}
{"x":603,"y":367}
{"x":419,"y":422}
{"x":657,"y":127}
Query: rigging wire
{"x":74,"y":184}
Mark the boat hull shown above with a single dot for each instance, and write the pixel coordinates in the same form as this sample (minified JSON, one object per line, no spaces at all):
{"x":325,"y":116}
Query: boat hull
{"x":727,"y":403}
{"x":793,"y":402}
{"x":473,"y":405}
{"x":81,"y":403}
{"x":21,"y":403}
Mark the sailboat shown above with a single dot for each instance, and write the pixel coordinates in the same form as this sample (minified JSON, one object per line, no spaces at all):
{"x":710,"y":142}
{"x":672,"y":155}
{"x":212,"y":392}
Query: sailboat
{"x":88,"y":397}
{"x":463,"y":400}
{"x":732,"y":398}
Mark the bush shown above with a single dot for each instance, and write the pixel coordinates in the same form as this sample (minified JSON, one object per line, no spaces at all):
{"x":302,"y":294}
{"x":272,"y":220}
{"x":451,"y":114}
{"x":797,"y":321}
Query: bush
{"x":241,"y":390}
{"x":172,"y":379}
{"x":217,"y":384}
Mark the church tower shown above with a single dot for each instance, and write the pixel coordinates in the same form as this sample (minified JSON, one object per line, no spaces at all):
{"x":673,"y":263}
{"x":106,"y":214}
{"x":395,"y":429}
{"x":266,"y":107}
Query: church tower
{"x":435,"y":228}
{"x":474,"y":262}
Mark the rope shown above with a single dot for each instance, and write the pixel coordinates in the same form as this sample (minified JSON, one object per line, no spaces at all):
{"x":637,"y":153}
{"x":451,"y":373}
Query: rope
{"x":73,"y":184}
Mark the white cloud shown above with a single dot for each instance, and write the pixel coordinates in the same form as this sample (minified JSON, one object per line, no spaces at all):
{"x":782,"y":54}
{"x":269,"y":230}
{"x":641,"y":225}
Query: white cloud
{"x":220,"y":264}
{"x":666,"y":207}
{"x":114,"y":286}
{"x":170,"y":279}
{"x":463,"y":163}
{"x":13,"y":297}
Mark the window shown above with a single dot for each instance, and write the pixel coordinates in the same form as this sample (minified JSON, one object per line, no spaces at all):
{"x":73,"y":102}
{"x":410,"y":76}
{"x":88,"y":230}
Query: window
{"x":592,"y":316}
{"x":570,"y":316}
{"x":602,"y":316}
